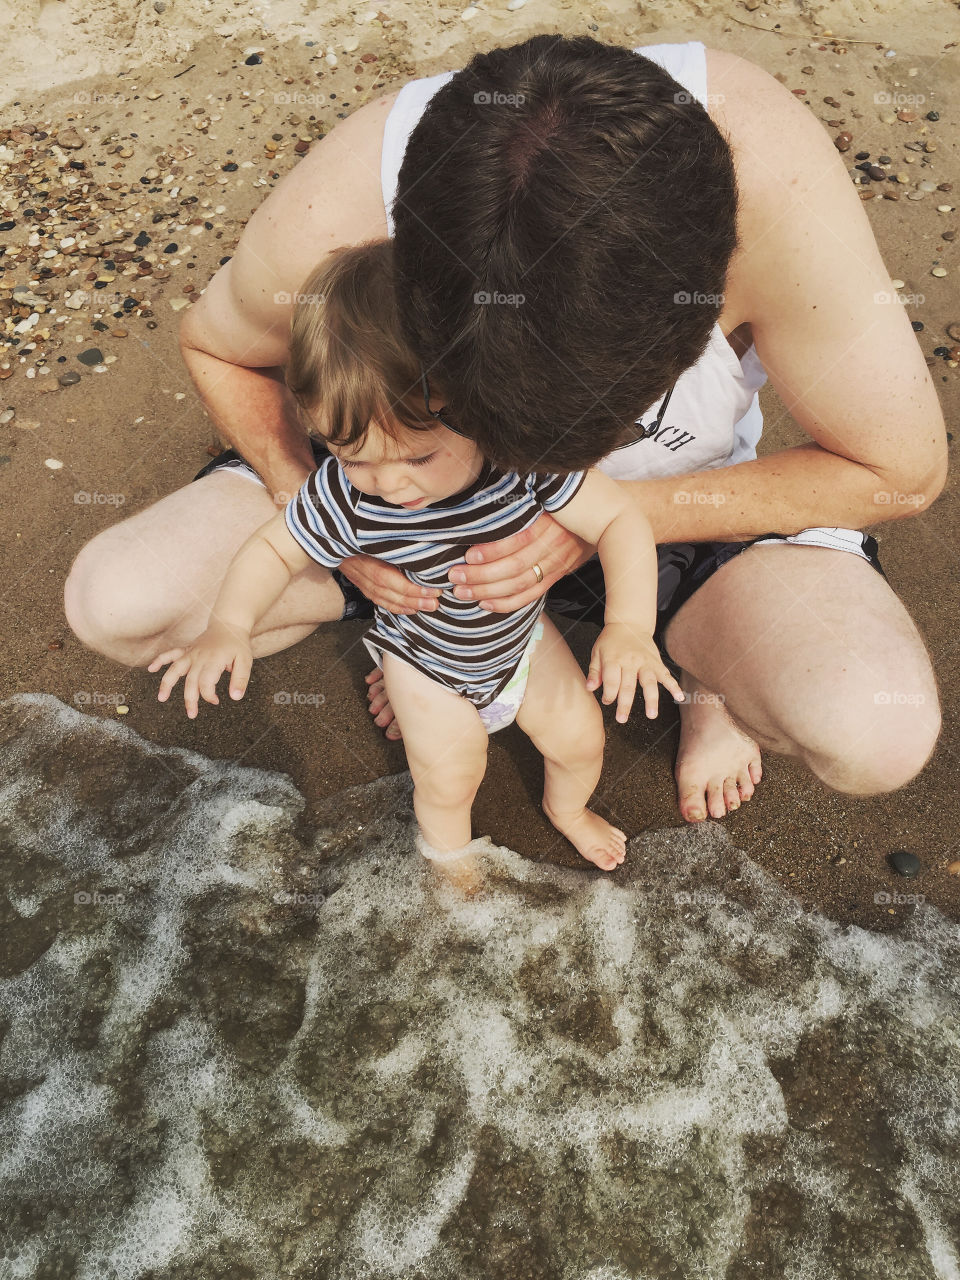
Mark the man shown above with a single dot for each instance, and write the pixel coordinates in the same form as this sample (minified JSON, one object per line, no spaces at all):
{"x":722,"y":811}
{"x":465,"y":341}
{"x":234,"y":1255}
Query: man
{"x":796,"y":647}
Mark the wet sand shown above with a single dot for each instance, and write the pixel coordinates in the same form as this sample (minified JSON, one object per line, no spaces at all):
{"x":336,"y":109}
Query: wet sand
{"x":125,"y":438}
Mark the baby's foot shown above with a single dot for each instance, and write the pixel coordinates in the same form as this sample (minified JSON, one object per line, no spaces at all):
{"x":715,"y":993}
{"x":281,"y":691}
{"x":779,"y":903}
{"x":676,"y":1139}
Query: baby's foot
{"x":592,"y":836}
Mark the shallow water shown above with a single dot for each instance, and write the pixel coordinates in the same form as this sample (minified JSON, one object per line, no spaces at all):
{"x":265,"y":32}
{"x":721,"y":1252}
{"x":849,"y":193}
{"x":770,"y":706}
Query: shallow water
{"x":232,"y":1046}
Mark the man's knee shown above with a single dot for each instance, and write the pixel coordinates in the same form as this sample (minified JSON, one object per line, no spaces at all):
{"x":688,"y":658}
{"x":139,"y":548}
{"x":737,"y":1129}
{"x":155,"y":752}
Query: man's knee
{"x":93,"y":603}
{"x":883,"y":748}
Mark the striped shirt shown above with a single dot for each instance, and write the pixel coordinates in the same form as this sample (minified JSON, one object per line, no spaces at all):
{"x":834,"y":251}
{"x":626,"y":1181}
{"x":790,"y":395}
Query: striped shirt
{"x":459,"y":645}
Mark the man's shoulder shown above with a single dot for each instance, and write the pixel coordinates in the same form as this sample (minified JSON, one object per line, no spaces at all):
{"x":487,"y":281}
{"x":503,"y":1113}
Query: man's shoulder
{"x":754,"y":112}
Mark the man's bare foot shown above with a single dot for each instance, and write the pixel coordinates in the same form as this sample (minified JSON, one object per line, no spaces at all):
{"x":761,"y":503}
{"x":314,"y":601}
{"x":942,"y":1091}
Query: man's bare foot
{"x":717,"y":765}
{"x":592,"y":836}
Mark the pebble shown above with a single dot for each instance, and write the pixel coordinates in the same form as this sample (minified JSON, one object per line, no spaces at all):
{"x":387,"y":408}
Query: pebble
{"x":939,"y":272}
{"x":863,"y":155}
{"x":927,"y":185}
{"x":876,"y":173}
{"x":842,"y":141}
{"x":944,"y":208}
{"x":896,"y":284}
{"x":78,"y":298}
{"x":53,"y":463}
{"x":915,"y":195}
{"x":70,"y":139}
{"x":953,"y":330}
{"x":513,"y":5}
{"x":946,"y":235}
{"x":8,"y":415}
{"x":917,"y":326}
{"x":905,"y":864}
{"x":350,"y":44}
{"x":933,"y":115}
{"x":471,"y":11}
{"x":884,"y":160}
{"x":122,"y":709}
{"x":953,"y":868}
{"x":92,"y":356}
{"x":907,"y":116}
{"x":179,"y":303}
{"x":69,"y":379}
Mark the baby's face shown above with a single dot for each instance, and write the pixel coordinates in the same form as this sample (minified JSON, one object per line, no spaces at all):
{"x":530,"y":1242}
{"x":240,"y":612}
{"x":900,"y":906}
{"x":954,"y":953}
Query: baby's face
{"x":413,"y":470}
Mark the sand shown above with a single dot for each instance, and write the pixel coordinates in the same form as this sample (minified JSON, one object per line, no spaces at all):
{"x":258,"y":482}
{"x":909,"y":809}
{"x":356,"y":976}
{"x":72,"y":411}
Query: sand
{"x":133,"y":433}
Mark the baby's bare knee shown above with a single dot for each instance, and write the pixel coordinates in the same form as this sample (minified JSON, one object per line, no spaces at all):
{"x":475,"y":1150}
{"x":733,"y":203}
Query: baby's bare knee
{"x":450,"y":783}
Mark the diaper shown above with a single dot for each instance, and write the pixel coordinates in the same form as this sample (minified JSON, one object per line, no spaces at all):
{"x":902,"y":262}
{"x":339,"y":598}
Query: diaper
{"x":503,"y":710}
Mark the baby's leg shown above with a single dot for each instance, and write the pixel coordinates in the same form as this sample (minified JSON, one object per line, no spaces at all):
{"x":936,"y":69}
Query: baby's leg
{"x":446,"y":747}
{"x":565,"y":724}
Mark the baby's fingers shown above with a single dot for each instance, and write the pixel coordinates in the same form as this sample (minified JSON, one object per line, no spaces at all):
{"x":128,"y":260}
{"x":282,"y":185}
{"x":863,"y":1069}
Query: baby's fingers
{"x":207,"y":682}
{"x":651,"y":694}
{"x":240,"y":675}
{"x":170,"y":677}
{"x":163,"y":658}
{"x":594,"y":672}
{"x":628,"y":689}
{"x":668,"y":682}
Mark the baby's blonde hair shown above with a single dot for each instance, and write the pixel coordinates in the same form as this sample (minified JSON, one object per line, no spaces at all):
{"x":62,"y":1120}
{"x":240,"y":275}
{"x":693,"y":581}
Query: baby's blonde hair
{"x":349,"y":363}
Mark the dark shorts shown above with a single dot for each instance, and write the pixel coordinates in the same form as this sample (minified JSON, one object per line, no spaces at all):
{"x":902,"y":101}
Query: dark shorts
{"x":683,"y":567}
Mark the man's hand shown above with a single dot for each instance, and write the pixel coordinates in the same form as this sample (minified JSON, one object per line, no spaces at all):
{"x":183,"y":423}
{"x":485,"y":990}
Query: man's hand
{"x":387,"y":586}
{"x":498,"y":567}
{"x":500,"y":575}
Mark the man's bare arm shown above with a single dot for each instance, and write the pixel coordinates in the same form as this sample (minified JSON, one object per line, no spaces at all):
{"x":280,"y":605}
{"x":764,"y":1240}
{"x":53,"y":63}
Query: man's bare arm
{"x":235,"y":339}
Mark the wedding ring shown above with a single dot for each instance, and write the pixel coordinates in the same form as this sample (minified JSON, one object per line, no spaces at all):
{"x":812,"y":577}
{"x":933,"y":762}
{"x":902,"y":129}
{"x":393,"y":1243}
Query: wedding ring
{"x":538,"y":571}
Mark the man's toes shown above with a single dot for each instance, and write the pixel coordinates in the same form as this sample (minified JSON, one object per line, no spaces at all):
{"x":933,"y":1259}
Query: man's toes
{"x":691,"y":805}
{"x":745,"y":786}
{"x":716,"y":805}
{"x":756,"y":772}
{"x":731,"y":795}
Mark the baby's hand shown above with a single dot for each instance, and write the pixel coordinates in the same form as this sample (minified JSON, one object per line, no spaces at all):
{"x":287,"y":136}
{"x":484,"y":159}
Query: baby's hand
{"x":622,"y":657}
{"x":216,"y":650}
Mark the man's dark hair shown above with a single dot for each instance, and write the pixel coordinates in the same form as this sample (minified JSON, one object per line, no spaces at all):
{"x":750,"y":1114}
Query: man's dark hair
{"x":558,"y":203}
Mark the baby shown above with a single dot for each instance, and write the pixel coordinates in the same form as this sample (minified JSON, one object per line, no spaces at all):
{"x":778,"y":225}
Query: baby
{"x":402,"y":484}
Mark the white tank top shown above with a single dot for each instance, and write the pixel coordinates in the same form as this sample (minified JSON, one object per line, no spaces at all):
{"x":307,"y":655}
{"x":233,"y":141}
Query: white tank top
{"x":713,"y":418}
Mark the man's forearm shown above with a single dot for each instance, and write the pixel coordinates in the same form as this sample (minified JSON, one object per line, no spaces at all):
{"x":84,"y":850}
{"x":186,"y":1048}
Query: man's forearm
{"x":800,"y":488}
{"x":251,"y":409}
